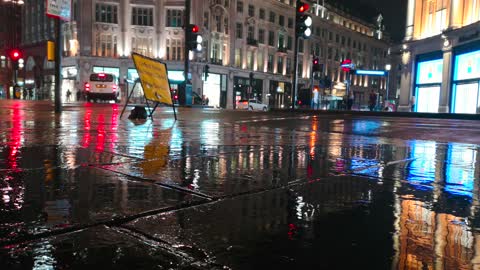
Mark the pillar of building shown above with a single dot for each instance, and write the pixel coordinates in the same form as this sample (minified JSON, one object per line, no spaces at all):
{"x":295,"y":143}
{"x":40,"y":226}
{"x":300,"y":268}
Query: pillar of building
{"x":446,"y":82}
{"x":230,"y":84}
{"x":456,"y":13}
{"x":407,"y":87}
{"x":410,"y":19}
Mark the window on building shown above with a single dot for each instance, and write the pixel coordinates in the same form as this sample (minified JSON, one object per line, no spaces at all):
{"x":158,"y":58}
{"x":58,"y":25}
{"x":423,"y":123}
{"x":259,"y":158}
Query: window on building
{"x":238,"y":57}
{"x":106,"y":45}
{"x":290,"y":22}
{"x":174,"y":18}
{"x":240,"y":7}
{"x":239,"y":30}
{"x":271,"y":38}
{"x":261,"y":36}
{"x":343,"y":41}
{"x":218,"y":23}
{"x":260,"y":62}
{"x":280,"y":64}
{"x":262,"y":14}
{"x":330,"y":36}
{"x":106,"y":13}
{"x":225,"y":25}
{"x":289,"y":66}
{"x":143,"y":45}
{"x":142,"y":16}
{"x":281,"y":20}
{"x":251,"y":11}
{"x":289,"y":43}
{"x":281,"y":40}
{"x":272,"y":17}
{"x":206,"y":17}
{"x":251,"y":32}
{"x":270,"y":63}
{"x":250,"y":59}
{"x":175,"y":50}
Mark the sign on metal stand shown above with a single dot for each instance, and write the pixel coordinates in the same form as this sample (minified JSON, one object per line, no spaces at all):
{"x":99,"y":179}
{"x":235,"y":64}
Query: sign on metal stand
{"x":61,"y":10}
{"x":154,"y":80}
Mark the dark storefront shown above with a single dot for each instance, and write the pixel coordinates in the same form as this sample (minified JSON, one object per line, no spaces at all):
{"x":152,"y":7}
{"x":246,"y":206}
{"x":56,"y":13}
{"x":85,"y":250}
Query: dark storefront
{"x":280,"y":94}
{"x":241,"y":89}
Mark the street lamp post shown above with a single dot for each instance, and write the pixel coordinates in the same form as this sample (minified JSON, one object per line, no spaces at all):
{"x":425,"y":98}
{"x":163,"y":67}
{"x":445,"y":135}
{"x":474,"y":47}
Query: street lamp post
{"x":388,"y":67}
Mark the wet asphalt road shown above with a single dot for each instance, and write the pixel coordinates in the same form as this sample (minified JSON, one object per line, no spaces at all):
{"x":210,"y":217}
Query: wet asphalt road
{"x":235,"y":190}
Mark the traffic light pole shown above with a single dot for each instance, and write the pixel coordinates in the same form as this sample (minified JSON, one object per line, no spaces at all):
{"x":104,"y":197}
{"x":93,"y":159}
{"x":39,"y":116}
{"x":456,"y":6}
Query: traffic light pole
{"x":58,"y":60}
{"x":295,"y":74}
{"x":186,"y":54}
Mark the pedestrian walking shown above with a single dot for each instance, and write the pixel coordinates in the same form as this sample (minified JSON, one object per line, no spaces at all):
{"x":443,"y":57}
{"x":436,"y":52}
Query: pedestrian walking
{"x":30,"y":93}
{"x":25,"y":94}
{"x":69,"y":94}
{"x":79,"y":95}
{"x":372,"y":100}
{"x":412,"y":102}
{"x":351,"y":98}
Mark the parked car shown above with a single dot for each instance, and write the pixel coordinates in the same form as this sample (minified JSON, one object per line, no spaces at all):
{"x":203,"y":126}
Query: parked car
{"x":251,"y":105}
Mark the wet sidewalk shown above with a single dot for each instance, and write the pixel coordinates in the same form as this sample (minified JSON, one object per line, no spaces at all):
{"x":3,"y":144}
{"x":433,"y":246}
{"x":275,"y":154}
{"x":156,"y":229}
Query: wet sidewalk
{"x":240,"y":190}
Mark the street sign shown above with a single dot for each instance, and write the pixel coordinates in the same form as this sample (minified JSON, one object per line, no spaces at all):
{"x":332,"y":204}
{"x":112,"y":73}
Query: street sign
{"x":60,"y":9}
{"x":371,"y":72}
{"x":154,"y":79}
{"x":346,"y":65}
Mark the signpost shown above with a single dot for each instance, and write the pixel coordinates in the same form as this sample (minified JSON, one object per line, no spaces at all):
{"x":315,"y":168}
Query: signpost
{"x":154,"y":79}
{"x":61,"y":10}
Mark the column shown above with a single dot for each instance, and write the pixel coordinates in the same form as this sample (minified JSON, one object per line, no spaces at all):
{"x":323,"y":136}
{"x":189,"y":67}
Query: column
{"x":410,"y":19}
{"x":406,"y":84}
{"x":456,"y":13}
{"x":446,"y":82}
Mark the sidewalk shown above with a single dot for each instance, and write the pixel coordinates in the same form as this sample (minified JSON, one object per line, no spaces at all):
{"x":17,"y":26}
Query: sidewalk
{"x":386,"y":114}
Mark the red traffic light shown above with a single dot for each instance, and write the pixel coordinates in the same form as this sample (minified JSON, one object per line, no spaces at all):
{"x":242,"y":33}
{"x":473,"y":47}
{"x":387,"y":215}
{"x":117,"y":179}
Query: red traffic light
{"x":15,"y":55}
{"x":315,"y":61}
{"x":303,"y":7}
{"x":195,"y":29}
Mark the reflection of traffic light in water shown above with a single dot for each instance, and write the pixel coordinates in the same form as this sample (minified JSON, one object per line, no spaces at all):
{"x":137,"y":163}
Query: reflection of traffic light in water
{"x":15,"y":136}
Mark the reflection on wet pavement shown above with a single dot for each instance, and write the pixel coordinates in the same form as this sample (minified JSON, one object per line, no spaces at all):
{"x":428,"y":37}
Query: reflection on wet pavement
{"x":245,"y":190}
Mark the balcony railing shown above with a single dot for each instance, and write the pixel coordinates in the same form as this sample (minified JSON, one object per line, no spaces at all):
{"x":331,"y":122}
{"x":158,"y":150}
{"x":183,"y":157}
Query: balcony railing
{"x":215,"y":61}
{"x":282,"y":50}
{"x":252,"y":42}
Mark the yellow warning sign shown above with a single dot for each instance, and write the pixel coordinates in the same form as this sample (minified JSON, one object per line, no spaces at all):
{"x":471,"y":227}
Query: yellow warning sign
{"x":154,"y":78}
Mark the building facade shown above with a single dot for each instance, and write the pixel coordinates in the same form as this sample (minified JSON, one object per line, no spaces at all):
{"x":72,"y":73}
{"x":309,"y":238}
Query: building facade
{"x":10,"y":29}
{"x":441,"y":57}
{"x":240,"y":38}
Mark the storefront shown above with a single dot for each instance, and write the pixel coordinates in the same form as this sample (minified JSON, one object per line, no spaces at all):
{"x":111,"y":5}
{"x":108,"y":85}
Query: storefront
{"x":69,"y":79}
{"x":215,"y":89}
{"x":242,"y":89}
{"x":428,"y":83}
{"x":280,"y":94}
{"x":465,"y":97}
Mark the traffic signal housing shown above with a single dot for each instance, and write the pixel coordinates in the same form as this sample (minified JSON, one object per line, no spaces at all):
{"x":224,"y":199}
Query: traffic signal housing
{"x":193,"y":39}
{"x":303,"y":20}
{"x":316,"y":67}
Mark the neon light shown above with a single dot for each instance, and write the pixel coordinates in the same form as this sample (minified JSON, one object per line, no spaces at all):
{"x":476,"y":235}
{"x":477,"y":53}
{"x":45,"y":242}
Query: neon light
{"x":370,"y":72}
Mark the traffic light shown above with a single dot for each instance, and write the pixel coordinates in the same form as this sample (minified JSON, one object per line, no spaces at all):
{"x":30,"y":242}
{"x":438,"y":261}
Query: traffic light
{"x":251,"y":78}
{"x":193,"y":38}
{"x":15,"y":55}
{"x":303,"y":21}
{"x":316,"y":67}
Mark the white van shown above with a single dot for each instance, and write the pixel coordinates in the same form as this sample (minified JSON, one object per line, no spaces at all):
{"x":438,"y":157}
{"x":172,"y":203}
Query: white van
{"x":102,"y":86}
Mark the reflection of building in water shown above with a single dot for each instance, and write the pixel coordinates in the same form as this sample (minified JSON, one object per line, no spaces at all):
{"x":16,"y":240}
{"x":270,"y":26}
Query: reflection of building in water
{"x":435,"y":216}
{"x":430,"y":240}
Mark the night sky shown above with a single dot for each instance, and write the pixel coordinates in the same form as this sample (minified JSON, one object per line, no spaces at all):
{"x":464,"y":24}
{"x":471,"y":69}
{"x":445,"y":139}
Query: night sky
{"x":394,"y":13}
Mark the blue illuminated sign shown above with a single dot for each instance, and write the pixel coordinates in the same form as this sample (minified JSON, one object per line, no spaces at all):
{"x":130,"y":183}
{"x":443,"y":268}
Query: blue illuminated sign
{"x":370,"y":72}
